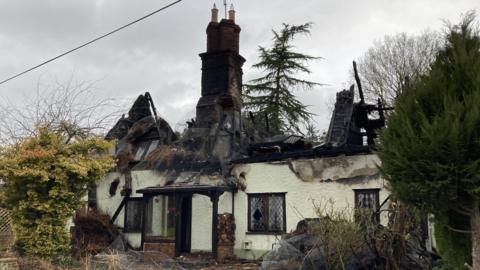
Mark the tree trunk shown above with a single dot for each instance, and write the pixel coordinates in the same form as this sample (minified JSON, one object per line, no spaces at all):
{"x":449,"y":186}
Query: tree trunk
{"x":475,"y":224}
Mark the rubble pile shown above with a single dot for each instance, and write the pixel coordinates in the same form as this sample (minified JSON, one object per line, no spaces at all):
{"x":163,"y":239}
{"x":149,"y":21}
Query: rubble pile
{"x":302,"y":249}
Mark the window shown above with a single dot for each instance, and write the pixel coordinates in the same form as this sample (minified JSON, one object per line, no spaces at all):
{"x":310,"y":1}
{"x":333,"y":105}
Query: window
{"x":160,"y":217}
{"x":367,"y":199}
{"x":133,"y":215}
{"x":266,"y":212}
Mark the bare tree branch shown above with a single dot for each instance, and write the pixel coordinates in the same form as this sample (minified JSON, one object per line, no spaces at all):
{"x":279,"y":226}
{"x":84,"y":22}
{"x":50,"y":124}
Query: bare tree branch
{"x":70,"y":107}
{"x":386,"y":65}
{"x":457,"y":230}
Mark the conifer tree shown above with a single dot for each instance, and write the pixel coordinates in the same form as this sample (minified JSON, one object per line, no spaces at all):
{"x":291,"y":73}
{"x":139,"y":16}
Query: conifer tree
{"x":271,"y":96}
{"x":430,"y":150}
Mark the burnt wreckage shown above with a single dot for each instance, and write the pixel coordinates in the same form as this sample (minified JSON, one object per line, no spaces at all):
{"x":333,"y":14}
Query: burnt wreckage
{"x":200,"y":160}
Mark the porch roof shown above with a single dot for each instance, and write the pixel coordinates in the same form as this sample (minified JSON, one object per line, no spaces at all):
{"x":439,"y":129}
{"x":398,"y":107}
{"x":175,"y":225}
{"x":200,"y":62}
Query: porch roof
{"x":184,"y":189}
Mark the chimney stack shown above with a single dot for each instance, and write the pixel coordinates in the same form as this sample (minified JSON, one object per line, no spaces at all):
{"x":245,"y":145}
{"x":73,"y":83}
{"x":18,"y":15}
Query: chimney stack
{"x":231,"y":13}
{"x":214,"y":14}
{"x":220,"y":106}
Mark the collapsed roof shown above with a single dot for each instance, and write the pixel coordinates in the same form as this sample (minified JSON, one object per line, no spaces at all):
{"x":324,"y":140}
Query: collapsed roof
{"x":218,"y":136}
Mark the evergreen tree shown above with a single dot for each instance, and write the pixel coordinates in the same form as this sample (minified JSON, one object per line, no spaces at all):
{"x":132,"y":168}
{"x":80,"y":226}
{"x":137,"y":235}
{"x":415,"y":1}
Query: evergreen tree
{"x":430,"y":150}
{"x":270,"y":96}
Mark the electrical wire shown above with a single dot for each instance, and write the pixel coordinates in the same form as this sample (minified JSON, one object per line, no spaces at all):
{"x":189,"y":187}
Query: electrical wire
{"x":91,"y":41}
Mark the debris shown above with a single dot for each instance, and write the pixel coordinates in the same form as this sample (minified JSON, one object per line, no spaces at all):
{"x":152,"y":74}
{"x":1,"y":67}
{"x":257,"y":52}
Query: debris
{"x":285,"y":256}
{"x":303,"y":249}
{"x":165,"y":156}
{"x":119,"y":244}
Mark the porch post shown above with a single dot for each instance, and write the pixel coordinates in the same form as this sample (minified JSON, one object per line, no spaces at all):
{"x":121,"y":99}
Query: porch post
{"x":233,"y":204}
{"x":145,"y":200}
{"x":214,"y":199}
{"x":178,"y":224}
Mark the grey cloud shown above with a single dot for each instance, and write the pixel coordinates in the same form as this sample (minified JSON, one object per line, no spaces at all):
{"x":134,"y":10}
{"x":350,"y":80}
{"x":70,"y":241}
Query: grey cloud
{"x":160,"y":54}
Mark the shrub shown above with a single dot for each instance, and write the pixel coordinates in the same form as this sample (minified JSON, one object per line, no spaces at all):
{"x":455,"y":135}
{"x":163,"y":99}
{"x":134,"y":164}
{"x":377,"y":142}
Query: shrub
{"x":45,"y":180}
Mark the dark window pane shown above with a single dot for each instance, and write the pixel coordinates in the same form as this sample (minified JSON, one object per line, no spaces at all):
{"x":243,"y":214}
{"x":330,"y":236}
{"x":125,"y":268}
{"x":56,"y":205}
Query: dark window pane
{"x":367,"y":202}
{"x":134,"y":217}
{"x":367,"y":199}
{"x":275,"y":211}
{"x":258,"y":213}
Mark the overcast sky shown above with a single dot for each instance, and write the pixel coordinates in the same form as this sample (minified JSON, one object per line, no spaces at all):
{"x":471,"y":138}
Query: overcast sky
{"x":160,"y":54}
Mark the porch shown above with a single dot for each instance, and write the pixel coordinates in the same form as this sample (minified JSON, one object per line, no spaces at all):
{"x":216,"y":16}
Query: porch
{"x":167,"y":220}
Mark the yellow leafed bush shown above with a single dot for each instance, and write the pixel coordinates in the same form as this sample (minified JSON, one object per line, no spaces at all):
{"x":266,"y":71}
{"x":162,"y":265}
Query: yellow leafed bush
{"x":45,"y":180}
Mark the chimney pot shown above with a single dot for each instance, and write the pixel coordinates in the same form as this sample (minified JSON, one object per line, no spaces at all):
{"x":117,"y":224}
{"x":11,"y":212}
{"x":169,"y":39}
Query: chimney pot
{"x":231,"y":13}
{"x":214,"y":13}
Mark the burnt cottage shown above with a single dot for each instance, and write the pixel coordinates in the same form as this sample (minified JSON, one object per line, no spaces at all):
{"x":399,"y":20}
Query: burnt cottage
{"x":225,"y":188}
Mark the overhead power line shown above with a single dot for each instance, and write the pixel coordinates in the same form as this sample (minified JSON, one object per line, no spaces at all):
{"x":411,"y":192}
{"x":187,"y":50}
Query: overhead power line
{"x":91,"y":41}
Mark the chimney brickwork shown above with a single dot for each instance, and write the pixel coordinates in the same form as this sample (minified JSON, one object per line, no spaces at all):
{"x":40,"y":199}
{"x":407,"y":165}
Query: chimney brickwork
{"x":219,"y":108}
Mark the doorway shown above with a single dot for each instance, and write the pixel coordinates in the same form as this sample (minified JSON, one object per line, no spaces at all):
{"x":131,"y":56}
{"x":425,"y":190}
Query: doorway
{"x":184,"y":225}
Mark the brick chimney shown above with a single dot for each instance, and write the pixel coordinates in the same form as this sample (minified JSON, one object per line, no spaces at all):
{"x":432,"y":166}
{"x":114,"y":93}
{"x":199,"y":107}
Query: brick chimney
{"x":221,"y":102}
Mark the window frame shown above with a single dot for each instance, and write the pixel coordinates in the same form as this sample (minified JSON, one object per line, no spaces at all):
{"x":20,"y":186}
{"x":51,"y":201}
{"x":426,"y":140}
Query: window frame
{"x":267,"y":195}
{"x":131,"y":230}
{"x":168,"y":199}
{"x":359,"y":191}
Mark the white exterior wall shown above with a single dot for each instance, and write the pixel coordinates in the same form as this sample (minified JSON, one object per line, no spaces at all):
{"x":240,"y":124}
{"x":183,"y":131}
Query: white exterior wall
{"x":201,"y":206}
{"x":202,"y":219}
{"x":304,"y":181}
{"x":109,"y":204}
{"x":301,"y":193}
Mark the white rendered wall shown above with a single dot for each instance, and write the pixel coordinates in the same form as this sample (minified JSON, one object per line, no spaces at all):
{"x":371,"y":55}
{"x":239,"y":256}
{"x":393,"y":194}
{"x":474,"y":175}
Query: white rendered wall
{"x":303,"y":181}
{"x":201,"y":206}
{"x":201,"y":223}
{"x":144,"y":179}
{"x":301,"y":193}
{"x":202,"y":219}
{"x":109,"y":204}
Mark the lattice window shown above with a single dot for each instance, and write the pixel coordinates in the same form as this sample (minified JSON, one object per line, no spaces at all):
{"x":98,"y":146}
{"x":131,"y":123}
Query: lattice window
{"x":368,"y":199}
{"x":266,"y":212}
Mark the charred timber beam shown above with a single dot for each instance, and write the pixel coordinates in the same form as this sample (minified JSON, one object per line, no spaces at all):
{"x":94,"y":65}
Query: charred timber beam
{"x":119,"y":209}
{"x":359,"y":84}
{"x":214,"y":198}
